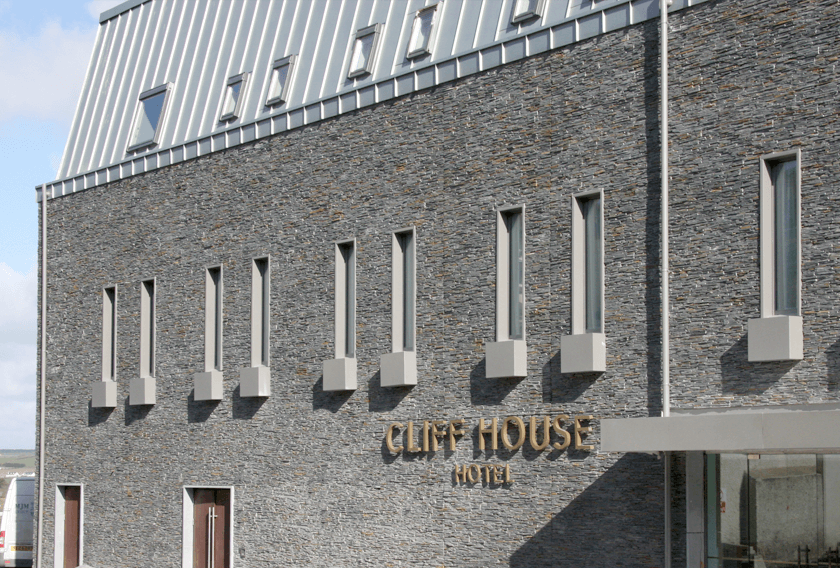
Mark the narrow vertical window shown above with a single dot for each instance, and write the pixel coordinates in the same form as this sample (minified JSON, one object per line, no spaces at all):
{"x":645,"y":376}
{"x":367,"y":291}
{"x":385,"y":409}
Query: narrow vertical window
{"x":209,"y":385}
{"x":508,"y":355}
{"x":234,"y":97}
{"x":593,"y":264}
{"x":403,"y":294}
{"x":149,"y":117}
{"x":777,"y":334}
{"x":340,"y":373}
{"x":783,"y":176}
{"x":147,"y":328}
{"x":587,"y":264}
{"x":421,"y":39}
{"x":584,"y":349}
{"x":280,"y":82}
{"x":260,"y":304}
{"x":345,"y":300}
{"x":213,"y":320}
{"x":109,"y":334}
{"x":364,"y":51}
{"x":255,"y":381}
{"x":515,"y":236}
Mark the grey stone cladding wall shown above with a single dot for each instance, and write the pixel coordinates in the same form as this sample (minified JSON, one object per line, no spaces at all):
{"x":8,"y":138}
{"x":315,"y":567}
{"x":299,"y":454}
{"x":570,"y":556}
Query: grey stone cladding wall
{"x":314,"y":484}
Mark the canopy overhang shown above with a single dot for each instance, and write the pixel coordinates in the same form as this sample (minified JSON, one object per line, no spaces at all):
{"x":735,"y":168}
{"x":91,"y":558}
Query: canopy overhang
{"x":778,"y":430}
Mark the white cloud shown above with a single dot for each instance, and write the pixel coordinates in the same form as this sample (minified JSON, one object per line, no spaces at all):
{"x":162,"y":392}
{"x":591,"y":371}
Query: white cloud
{"x":43,"y":74}
{"x":18,"y":306}
{"x":18,"y":352}
{"x":96,"y":7}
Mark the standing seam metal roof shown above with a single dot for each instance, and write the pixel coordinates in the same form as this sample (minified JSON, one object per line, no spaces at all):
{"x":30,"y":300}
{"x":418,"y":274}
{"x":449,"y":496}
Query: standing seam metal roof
{"x":197,"y":46}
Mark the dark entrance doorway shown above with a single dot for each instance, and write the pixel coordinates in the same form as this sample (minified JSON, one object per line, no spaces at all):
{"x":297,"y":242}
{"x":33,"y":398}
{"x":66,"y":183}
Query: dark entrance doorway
{"x":211,"y":528}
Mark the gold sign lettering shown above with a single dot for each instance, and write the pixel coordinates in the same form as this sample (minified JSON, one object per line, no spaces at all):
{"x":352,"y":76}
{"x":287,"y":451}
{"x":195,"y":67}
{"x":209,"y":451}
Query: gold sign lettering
{"x":493,"y":474}
{"x":435,"y":433}
{"x":409,"y":434}
{"x":557,"y":425}
{"x":520,"y":427}
{"x":482,"y":430}
{"x":546,"y":433}
{"x":454,"y":432}
{"x":389,"y":438}
{"x":582,"y":430}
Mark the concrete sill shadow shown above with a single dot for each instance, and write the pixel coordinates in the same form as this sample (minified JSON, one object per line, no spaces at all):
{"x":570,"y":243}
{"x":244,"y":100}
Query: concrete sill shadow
{"x":133,"y":413}
{"x":245,"y":408}
{"x":384,"y":399}
{"x":200,"y":410}
{"x":561,"y":387}
{"x":97,"y":416}
{"x":489,"y":392}
{"x":739,"y":376}
{"x":328,"y":400}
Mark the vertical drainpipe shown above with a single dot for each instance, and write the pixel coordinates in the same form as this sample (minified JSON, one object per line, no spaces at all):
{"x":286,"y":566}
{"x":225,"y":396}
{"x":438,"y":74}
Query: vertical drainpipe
{"x":666,"y":359}
{"x":42,"y":379}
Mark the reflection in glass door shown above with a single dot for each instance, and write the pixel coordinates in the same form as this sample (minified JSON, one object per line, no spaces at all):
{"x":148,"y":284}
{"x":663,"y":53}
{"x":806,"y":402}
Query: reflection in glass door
{"x":773,"y":511}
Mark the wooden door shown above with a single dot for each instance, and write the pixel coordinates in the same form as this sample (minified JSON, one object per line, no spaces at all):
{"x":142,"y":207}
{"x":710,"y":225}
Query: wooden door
{"x":72,"y":518}
{"x":211,"y":528}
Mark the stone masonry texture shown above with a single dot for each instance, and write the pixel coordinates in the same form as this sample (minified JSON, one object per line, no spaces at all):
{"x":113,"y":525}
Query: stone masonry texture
{"x":314,"y":484}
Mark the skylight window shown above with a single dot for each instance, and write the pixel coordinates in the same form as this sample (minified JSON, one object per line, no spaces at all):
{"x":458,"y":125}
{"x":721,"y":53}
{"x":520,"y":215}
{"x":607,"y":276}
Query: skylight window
{"x":364,"y":51}
{"x":148,"y":118}
{"x":526,"y":9}
{"x":281,"y":80}
{"x":420,"y":42}
{"x":234,"y":97}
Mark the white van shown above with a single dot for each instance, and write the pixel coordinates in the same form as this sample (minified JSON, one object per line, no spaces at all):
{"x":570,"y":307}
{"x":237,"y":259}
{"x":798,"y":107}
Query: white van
{"x":17,"y":526}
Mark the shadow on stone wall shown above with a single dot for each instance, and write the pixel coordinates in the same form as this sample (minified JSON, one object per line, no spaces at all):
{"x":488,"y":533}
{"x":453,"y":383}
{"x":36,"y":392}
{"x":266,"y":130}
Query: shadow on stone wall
{"x":246,"y":408}
{"x":484,"y":391}
{"x":328,"y":400}
{"x":739,"y":376}
{"x":134,"y":413}
{"x":560,"y":388}
{"x":653,"y":245}
{"x":384,"y":399}
{"x":199,"y":410}
{"x":97,"y":415}
{"x":616,"y":521}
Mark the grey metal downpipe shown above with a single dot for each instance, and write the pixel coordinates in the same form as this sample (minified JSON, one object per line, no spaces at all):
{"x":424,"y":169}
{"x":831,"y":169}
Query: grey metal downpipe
{"x":666,"y":344}
{"x":43,"y":374}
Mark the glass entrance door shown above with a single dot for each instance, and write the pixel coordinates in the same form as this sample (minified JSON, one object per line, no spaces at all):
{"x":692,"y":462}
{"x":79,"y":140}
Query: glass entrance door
{"x":773,"y":511}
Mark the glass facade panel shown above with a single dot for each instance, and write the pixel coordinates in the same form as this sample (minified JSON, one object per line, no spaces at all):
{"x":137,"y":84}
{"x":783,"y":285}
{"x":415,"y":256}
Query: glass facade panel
{"x":406,"y":242}
{"x":348,"y":254}
{"x":776,"y":511}
{"x":786,"y":237}
{"x":516,"y":264}
{"x":593,"y":262}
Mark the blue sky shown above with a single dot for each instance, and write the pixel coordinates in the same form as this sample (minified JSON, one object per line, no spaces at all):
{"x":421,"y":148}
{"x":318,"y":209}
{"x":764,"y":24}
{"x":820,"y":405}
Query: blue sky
{"x":45,"y":46}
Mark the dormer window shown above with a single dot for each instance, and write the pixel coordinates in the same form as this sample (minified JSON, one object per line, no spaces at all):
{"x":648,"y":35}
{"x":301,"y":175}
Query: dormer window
{"x":234,"y":97}
{"x":281,"y":80}
{"x":149,"y":117}
{"x":526,"y":9}
{"x":364,"y":51}
{"x":420,"y":42}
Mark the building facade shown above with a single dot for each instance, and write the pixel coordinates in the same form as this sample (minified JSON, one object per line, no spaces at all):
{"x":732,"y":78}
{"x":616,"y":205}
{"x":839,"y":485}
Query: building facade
{"x":378,"y":284}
